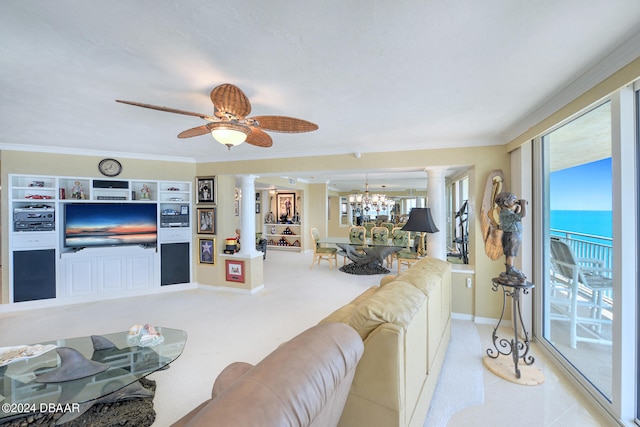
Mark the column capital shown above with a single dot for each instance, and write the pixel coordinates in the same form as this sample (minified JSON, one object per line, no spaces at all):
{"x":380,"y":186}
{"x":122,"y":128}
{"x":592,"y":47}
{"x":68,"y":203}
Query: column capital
{"x":439,"y":170}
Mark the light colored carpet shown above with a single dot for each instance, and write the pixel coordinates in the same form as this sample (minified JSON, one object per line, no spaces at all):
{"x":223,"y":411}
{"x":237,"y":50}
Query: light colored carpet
{"x":225,"y":327}
{"x":461,"y":381}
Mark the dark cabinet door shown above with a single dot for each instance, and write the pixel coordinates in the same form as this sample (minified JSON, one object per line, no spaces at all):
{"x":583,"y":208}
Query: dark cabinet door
{"x":34,"y":275}
{"x":174,"y":258}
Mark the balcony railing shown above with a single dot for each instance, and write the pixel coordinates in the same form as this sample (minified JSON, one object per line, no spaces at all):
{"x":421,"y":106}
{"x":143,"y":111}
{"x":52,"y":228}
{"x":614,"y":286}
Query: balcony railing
{"x":589,"y":246}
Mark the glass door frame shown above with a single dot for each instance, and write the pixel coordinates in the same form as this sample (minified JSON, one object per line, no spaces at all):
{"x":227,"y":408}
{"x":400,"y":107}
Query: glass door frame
{"x":625,"y":203}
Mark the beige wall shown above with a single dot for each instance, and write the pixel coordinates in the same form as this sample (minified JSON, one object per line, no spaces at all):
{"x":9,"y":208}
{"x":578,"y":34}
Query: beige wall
{"x":482,"y":161}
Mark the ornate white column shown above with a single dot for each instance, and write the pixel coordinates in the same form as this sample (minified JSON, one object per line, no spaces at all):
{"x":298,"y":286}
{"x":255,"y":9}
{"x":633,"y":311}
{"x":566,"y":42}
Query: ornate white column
{"x":436,"y":201}
{"x":247,"y":219}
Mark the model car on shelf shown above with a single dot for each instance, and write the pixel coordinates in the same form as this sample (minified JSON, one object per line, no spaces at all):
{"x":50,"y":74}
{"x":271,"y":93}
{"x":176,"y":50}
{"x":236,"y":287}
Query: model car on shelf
{"x":37,"y":196}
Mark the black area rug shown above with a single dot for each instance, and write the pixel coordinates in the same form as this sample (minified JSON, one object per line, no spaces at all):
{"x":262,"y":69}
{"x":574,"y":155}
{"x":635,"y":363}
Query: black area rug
{"x":136,"y":412}
{"x":354,"y":268}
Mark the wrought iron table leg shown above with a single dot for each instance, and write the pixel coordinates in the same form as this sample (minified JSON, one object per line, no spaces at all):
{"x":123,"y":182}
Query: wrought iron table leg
{"x":517,"y":349}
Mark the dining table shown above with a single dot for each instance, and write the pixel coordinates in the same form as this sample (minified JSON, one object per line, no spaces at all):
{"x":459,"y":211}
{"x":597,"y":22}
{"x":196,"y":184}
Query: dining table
{"x":366,"y":258}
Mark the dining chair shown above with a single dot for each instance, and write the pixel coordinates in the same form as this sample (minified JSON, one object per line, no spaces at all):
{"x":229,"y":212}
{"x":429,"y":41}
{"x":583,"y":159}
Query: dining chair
{"x":369,"y":226}
{"x":412,"y":255}
{"x":400,"y":238}
{"x":357,"y":235}
{"x":379,"y":236}
{"x":322,"y":253}
{"x":578,"y":287}
{"x":389,"y":226}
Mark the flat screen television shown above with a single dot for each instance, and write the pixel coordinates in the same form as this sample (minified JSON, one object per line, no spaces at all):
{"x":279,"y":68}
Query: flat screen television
{"x":110,"y":224}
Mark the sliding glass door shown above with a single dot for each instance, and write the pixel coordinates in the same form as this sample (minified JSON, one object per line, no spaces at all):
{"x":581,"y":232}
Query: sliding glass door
{"x":578,"y":256}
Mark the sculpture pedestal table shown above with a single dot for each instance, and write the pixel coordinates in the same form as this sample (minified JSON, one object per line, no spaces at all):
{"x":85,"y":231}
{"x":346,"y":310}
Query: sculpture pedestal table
{"x":517,"y":348}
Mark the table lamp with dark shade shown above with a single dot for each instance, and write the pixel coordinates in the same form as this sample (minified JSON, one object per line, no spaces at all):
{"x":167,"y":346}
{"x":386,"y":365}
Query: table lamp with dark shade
{"x":420,"y":220}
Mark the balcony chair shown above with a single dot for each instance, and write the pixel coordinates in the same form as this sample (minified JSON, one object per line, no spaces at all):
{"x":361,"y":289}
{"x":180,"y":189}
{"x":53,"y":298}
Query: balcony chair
{"x":320,"y":253}
{"x":577,"y":288}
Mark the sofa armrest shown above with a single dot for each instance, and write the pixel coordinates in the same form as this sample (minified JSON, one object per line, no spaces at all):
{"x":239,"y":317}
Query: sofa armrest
{"x":228,"y":376}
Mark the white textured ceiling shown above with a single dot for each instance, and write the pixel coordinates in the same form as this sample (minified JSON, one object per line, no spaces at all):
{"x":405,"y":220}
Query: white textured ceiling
{"x":375,"y":75}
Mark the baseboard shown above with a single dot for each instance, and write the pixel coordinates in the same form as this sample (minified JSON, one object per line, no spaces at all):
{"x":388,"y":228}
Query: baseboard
{"x":486,"y":320}
{"x":475,"y":319}
{"x":461,"y":316}
{"x":59,"y":302}
{"x":232,"y":290}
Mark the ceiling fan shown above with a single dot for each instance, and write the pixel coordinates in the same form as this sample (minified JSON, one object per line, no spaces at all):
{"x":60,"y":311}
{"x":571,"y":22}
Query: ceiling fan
{"x":229,"y":123}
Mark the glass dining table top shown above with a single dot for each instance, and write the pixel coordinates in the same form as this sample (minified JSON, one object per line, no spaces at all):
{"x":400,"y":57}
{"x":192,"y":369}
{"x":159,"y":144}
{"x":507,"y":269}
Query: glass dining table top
{"x":123,"y":363}
{"x":347,"y":241}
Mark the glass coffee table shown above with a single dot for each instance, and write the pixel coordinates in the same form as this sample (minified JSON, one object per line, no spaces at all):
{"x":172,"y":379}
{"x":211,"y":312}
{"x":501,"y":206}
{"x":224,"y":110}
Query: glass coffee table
{"x":80,"y":370}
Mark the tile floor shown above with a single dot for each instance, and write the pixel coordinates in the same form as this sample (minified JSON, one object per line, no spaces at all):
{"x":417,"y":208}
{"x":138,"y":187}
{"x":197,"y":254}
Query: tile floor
{"x":554,"y":403}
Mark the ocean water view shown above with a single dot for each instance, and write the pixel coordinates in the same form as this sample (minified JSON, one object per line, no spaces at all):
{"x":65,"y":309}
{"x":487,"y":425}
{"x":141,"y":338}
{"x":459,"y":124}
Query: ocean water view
{"x":597,"y":223}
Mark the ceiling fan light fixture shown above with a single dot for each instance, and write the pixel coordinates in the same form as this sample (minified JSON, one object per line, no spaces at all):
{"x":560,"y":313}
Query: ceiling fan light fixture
{"x":230,"y":134}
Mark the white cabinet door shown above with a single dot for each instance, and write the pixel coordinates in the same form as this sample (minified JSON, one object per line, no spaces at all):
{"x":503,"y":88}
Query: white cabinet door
{"x":80,"y":276}
{"x":111,"y":274}
{"x":141,"y":268}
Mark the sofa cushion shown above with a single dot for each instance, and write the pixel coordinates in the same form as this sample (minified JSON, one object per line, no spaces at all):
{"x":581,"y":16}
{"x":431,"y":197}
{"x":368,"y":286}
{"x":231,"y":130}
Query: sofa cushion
{"x":396,"y":302}
{"x":426,"y":274}
{"x":343,"y":314}
{"x":387,"y":279}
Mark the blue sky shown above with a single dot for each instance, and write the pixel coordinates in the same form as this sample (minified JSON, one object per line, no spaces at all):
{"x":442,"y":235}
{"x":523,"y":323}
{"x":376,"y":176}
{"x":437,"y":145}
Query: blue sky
{"x":584,"y":187}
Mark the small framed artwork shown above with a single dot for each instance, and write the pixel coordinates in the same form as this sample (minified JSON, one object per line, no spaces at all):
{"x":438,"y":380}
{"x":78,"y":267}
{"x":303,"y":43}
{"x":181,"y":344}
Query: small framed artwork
{"x":258,"y":207}
{"x":207,"y":250}
{"x":237,"y":207}
{"x":286,"y":205}
{"x":235,"y":271}
{"x":257,"y":197}
{"x":206,"y":186}
{"x":207,"y":220}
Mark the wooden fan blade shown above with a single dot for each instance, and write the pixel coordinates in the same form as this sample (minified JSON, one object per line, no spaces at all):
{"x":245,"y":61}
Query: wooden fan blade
{"x":168,"y":110}
{"x":229,"y":98}
{"x":259,"y":138}
{"x":284,"y":124}
{"x":200,"y":130}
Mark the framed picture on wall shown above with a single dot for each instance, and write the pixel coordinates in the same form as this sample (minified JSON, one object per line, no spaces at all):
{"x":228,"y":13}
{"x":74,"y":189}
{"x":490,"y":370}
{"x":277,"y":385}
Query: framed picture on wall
{"x":235,"y":271}
{"x":206,"y":220}
{"x":258,"y":207}
{"x":286,"y":205}
{"x":206,"y":187}
{"x":207,"y":250}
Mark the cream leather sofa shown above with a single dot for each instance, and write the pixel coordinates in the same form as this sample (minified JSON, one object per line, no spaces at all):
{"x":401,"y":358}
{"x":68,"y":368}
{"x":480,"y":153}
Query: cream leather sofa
{"x":304,"y":382}
{"x":406,"y":327}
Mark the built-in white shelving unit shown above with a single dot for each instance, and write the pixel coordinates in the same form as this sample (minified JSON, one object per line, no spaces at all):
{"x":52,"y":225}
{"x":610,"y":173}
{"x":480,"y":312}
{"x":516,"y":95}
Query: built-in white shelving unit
{"x":37,"y":238}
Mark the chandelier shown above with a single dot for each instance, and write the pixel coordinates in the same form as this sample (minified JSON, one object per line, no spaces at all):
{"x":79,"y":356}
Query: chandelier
{"x":368,"y":202}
